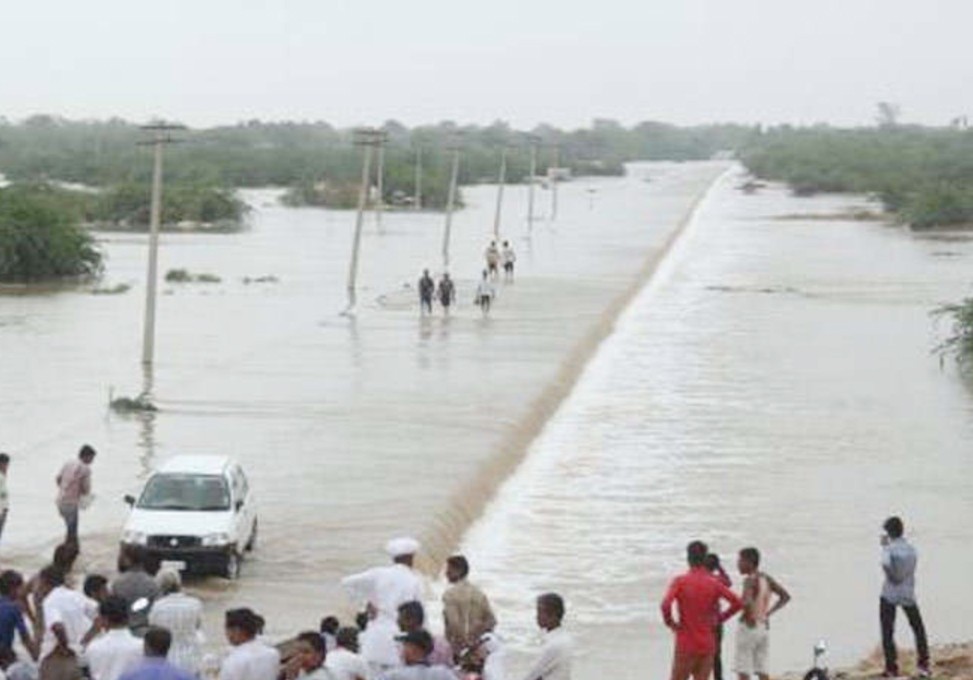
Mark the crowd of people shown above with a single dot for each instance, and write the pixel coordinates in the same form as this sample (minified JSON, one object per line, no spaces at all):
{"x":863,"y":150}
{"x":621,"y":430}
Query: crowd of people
{"x":444,"y":291}
{"x":141,"y":625}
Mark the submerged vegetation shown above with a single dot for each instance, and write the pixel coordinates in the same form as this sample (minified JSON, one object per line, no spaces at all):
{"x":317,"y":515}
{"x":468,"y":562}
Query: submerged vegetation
{"x":922,"y":176}
{"x":41,"y":238}
{"x":959,"y":343}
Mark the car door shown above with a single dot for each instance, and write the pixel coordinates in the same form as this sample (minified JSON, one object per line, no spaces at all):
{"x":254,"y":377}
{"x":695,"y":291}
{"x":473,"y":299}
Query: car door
{"x":243,"y":518}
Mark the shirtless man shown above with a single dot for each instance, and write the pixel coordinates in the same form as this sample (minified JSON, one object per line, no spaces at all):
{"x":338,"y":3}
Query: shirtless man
{"x":753,"y":633}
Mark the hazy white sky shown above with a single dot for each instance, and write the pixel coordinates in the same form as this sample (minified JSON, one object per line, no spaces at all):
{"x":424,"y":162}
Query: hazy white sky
{"x":526,"y":61}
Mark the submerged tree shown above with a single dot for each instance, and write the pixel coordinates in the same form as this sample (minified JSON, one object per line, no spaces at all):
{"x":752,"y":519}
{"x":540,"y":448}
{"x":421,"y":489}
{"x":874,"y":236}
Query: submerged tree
{"x":41,"y":237}
{"x":959,"y":343}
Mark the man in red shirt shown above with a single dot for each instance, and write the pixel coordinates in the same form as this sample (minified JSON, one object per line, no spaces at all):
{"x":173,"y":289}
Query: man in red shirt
{"x":697,"y":594}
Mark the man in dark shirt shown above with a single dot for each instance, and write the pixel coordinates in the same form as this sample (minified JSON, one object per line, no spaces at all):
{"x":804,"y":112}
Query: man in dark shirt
{"x":697,"y":595}
{"x":426,"y":289}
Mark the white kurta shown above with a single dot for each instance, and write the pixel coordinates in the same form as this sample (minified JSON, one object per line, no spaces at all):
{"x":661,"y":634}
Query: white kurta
{"x":385,"y":589}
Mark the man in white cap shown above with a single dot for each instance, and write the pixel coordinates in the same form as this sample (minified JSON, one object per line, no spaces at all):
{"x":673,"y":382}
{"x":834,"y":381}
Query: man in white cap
{"x":383,"y":590}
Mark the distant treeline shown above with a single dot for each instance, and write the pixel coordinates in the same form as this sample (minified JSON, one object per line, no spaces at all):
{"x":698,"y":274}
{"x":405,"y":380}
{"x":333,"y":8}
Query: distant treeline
{"x":924,"y":176}
{"x":302,"y":155}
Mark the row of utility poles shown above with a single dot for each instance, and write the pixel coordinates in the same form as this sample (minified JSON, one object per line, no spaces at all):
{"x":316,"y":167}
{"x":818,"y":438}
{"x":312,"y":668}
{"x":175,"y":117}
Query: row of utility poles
{"x":372,"y":141}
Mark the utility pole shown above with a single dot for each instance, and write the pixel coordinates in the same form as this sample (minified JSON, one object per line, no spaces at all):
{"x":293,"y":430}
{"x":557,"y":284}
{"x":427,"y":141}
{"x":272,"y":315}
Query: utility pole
{"x":417,"y":201}
{"x":533,"y":139}
{"x":160,"y":137}
{"x":500,"y":182}
{"x":380,"y":179}
{"x":450,"y":202}
{"x":368,"y":139}
{"x":553,"y":173}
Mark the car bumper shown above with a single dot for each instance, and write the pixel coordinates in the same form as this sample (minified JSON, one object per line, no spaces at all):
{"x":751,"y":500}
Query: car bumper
{"x":196,"y":559}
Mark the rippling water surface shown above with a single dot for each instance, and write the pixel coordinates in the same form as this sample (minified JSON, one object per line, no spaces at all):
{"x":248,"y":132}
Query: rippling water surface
{"x":772,"y":386}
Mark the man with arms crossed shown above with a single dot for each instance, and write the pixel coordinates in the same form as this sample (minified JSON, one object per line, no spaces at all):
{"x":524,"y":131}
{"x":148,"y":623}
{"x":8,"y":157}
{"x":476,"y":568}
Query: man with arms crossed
{"x":697,"y":595}
{"x":753,"y":634}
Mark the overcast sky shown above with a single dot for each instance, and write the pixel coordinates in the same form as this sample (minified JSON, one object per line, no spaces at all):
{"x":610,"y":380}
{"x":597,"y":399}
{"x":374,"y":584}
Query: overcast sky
{"x":565,"y":62}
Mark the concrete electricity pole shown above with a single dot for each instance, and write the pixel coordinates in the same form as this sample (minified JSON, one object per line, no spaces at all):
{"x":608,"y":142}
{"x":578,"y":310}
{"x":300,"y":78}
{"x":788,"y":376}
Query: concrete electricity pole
{"x":380,"y":180}
{"x":160,"y":137}
{"x":417,"y":201}
{"x":500,"y":183}
{"x":533,"y":139}
{"x":450,"y":203}
{"x":553,"y":173}
{"x":368,"y":139}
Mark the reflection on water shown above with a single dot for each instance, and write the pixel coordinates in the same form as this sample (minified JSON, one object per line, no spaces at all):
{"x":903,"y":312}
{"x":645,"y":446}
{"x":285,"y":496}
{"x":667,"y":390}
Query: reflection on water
{"x":774,"y":387}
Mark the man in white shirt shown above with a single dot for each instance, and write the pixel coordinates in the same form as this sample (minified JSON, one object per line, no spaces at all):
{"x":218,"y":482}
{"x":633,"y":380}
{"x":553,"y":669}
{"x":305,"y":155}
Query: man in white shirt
{"x":116,"y":651}
{"x":4,"y":497}
{"x":307,"y":663}
{"x":384,"y":590}
{"x":416,"y":648}
{"x":554,"y":663}
{"x":250,"y":659}
{"x":68,"y":616}
{"x":343,"y":661}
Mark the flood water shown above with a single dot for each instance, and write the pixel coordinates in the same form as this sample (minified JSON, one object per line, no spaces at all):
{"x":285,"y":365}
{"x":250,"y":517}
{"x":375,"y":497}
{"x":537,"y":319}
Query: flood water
{"x":771,"y":385}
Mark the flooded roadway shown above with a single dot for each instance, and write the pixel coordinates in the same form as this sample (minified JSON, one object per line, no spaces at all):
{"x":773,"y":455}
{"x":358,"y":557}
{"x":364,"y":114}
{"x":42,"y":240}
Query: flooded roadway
{"x":772,"y":385}
{"x":351,"y":431}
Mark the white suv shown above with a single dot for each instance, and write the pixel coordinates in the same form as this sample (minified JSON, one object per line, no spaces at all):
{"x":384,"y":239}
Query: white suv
{"x":195,"y":513}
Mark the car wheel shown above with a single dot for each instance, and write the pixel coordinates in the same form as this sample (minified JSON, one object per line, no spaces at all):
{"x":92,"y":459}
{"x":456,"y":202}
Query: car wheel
{"x":231,"y":569}
{"x":252,"y":543}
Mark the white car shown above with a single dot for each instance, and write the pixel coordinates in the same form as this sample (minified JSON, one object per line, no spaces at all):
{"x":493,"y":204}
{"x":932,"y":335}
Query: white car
{"x":195,"y":513}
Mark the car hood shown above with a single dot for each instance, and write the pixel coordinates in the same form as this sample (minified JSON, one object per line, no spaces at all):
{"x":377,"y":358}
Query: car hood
{"x":179,"y":522}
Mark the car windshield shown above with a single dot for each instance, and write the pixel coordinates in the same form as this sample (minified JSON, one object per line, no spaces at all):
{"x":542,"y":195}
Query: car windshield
{"x":170,"y":491}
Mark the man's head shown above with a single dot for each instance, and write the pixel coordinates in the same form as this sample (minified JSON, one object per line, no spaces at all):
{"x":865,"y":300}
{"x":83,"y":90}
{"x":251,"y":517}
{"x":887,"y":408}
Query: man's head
{"x":168,"y":580}
{"x":416,"y":647}
{"x":696,"y":553}
{"x":4,"y":462}
{"x":550,"y":611}
{"x":402,"y":550}
{"x":748,"y":561}
{"x":411,"y":616}
{"x":347,"y":638}
{"x":65,"y":555}
{"x":132,"y":558}
{"x":114,"y":611}
{"x":457,"y":568}
{"x":310,"y":651}
{"x":10,"y":583}
{"x":157,"y":642}
{"x":50,"y":577}
{"x":712,"y":562}
{"x":87,"y":454}
{"x":242,"y":625}
{"x":893,"y":527}
{"x":96,"y":587}
{"x":329,"y":625}
{"x":425,"y":273}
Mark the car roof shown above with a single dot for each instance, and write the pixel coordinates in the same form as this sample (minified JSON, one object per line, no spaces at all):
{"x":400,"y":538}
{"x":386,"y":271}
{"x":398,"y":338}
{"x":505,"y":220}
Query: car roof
{"x":200,"y":465}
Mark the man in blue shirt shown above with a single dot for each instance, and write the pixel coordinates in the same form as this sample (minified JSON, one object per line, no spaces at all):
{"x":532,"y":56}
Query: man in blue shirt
{"x":899,"y":560}
{"x":155,"y":667}
{"x":11,"y":617}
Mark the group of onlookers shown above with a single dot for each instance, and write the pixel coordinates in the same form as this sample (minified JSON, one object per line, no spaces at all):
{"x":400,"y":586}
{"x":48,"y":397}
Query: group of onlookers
{"x":705,"y":601}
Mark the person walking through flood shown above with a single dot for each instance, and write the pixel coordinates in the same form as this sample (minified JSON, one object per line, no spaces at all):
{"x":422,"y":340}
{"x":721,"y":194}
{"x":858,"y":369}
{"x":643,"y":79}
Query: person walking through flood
{"x":467,"y":614}
{"x":554,"y":662}
{"x":427,"y":287}
{"x":447,"y":292}
{"x":4,"y":495}
{"x":74,"y":490}
{"x":899,"y":561}
{"x":753,"y":633}
{"x":508,"y":257}
{"x":384,"y":590}
{"x":492,"y":257}
{"x":697,"y":596}
{"x":485,"y":293}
